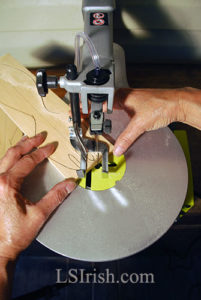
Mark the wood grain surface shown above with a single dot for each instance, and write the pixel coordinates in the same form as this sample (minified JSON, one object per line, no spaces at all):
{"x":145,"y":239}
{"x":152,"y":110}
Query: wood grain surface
{"x":20,"y":101}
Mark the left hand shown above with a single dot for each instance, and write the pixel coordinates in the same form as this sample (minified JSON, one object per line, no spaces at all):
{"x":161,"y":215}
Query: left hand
{"x":21,"y":220}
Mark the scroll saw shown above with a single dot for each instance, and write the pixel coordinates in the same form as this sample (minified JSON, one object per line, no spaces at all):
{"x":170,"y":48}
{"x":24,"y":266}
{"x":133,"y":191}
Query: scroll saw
{"x":124,"y":204}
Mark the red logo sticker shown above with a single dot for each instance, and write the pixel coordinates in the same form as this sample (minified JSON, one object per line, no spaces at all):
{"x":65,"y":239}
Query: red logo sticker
{"x":99,"y":15}
{"x":98,"y":22}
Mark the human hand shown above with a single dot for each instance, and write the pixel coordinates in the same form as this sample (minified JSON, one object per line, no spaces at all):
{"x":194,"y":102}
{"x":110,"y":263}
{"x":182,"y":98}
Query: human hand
{"x":21,"y":220}
{"x":149,"y":109}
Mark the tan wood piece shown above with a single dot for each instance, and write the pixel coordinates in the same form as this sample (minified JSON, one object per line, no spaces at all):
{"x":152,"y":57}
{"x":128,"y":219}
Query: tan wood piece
{"x":9,"y":133}
{"x":20,"y":101}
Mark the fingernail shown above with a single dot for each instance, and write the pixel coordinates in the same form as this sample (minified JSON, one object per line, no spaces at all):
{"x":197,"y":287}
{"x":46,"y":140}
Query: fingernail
{"x":42,"y":134}
{"x":55,"y":144}
{"x":24,"y":138}
{"x":50,"y":148}
{"x":71,"y":185}
{"x":118,"y":151}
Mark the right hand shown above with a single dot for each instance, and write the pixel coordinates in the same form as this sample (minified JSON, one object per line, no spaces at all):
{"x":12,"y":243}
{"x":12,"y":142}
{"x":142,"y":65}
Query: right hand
{"x":149,"y":109}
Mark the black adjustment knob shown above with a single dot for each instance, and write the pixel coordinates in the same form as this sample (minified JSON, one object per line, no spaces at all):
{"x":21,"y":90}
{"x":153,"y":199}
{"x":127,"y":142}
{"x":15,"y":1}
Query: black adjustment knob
{"x":98,"y":77}
{"x":43,"y":82}
{"x":71,"y":72}
{"x":107,"y":126}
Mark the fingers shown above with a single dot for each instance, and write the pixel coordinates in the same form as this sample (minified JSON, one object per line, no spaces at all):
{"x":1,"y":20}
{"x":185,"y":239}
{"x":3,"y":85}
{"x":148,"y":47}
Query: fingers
{"x":28,"y":162}
{"x":134,"y":128}
{"x":24,"y":146}
{"x":55,"y":197}
{"x":127,"y":137}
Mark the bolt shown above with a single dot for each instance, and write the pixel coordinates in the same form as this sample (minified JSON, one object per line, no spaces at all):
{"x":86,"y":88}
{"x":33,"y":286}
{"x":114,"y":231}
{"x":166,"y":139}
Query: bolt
{"x":97,"y":115}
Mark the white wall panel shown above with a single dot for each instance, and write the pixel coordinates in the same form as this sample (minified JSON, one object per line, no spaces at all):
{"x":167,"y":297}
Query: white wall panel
{"x":41,"y":32}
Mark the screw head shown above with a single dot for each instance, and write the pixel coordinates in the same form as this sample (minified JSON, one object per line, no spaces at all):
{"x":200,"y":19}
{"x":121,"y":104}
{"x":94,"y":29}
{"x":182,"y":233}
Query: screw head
{"x":97,"y":115}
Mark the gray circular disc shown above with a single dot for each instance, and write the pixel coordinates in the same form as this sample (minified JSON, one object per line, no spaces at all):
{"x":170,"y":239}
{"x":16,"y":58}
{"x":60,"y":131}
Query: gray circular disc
{"x":121,"y":221}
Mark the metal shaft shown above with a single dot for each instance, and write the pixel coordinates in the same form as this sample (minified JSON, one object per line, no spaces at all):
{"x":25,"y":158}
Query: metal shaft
{"x":75,"y":110}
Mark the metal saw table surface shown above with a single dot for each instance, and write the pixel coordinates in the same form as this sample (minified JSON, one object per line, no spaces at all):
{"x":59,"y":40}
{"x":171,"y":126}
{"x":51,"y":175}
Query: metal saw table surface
{"x":133,"y":73}
{"x":95,"y":258}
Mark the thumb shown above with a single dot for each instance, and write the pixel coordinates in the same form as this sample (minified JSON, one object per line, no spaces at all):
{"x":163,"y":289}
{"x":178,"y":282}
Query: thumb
{"x":127,"y":137}
{"x":55,"y":197}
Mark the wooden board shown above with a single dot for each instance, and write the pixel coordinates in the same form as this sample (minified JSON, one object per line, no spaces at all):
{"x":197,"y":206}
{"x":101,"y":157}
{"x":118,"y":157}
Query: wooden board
{"x":32,"y":114}
{"x":12,"y":136}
